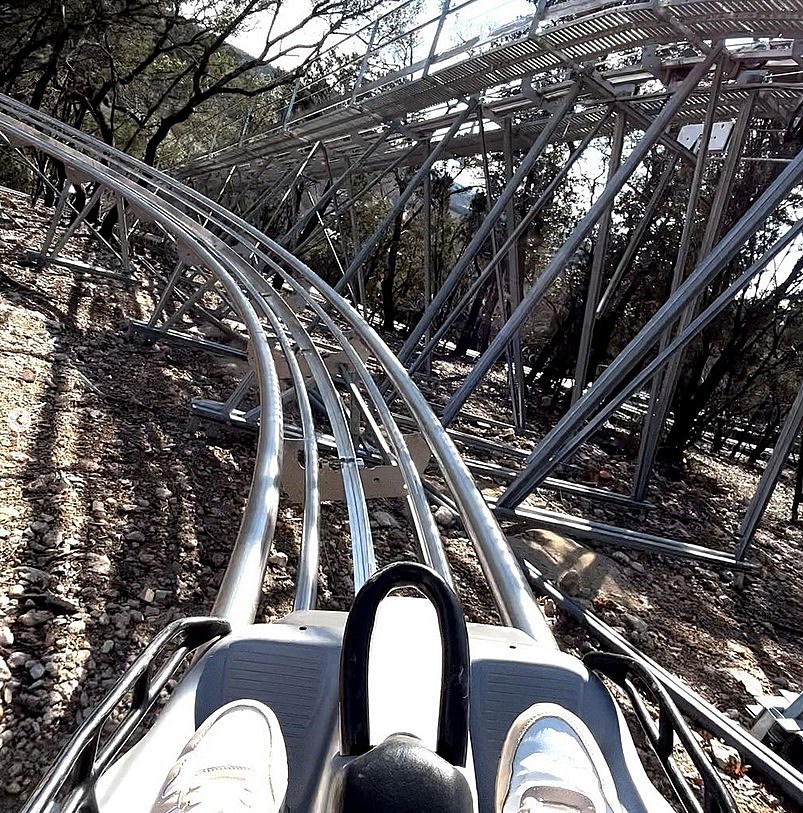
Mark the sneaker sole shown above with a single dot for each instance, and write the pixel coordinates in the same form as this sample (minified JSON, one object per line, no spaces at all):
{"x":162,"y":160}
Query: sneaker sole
{"x":516,"y":733}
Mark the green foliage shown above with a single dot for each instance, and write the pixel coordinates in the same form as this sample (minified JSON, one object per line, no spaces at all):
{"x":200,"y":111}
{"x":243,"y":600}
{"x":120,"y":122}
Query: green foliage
{"x":146,"y":78}
{"x":745,"y":366}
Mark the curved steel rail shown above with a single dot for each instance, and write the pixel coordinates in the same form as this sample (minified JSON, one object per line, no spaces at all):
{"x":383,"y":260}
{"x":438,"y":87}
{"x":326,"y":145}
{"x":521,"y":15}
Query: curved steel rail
{"x":171,"y":204}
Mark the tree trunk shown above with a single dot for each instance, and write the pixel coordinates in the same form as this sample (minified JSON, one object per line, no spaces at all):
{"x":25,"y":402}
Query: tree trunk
{"x":389,"y":277}
{"x":798,"y":482}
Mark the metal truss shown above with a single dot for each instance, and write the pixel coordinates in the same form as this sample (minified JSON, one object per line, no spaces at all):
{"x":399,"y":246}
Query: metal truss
{"x":579,"y":72}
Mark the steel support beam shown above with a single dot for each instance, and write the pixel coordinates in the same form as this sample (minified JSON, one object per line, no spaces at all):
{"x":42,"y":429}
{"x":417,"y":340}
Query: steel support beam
{"x":518,"y":232}
{"x":58,"y":212}
{"x":451,"y":282}
{"x":265,"y":196}
{"x":348,"y":205}
{"x":598,"y":83}
{"x":597,"y":266}
{"x":659,"y":408}
{"x":122,"y":235}
{"x":583,"y":528}
{"x":501,"y":293}
{"x":287,"y":192}
{"x":166,"y":294}
{"x":625,"y":388}
{"x":638,"y":235}
{"x":555,"y":445}
{"x":653,"y":421}
{"x":514,"y":284}
{"x":75,"y":224}
{"x":772,"y":471}
{"x":364,"y":60}
{"x":564,"y":255}
{"x":319,"y":207}
{"x":434,"y":44}
{"x":369,"y":246}
{"x":428,"y":240}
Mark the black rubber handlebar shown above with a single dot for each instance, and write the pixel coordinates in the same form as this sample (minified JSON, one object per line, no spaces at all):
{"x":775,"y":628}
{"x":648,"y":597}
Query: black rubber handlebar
{"x":454,"y":695}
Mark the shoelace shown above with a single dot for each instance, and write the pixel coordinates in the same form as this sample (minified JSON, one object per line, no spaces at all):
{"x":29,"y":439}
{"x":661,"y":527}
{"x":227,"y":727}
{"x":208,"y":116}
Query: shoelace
{"x":214,"y":790}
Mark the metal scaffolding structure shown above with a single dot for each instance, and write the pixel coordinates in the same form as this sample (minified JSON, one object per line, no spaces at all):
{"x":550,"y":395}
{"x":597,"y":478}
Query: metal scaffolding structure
{"x":683,"y":82}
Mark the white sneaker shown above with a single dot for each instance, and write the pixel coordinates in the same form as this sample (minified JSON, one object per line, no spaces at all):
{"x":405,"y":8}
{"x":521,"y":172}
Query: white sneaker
{"x":235,"y":761}
{"x":551,"y":762}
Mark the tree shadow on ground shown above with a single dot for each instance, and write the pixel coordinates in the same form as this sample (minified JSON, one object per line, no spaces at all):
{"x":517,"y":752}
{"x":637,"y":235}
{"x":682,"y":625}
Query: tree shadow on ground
{"x":130,"y":514}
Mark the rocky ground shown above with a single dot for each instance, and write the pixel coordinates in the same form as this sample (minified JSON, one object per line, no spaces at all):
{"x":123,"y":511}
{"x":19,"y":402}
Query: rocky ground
{"x":117,"y":515}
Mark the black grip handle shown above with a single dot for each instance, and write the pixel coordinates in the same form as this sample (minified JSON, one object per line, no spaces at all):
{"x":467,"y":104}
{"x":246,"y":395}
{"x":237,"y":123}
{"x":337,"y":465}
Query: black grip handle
{"x":454,"y":695}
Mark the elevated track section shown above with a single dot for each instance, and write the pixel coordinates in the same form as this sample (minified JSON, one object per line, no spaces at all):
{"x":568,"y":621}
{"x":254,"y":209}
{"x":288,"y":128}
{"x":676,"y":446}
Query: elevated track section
{"x":681,"y":84}
{"x":521,"y":77}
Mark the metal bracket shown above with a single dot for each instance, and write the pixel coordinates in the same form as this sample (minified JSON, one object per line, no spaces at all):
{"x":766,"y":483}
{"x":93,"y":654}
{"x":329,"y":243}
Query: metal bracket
{"x":333,"y":361}
{"x":778,"y":722}
{"x":378,"y":481}
{"x":77,"y":176}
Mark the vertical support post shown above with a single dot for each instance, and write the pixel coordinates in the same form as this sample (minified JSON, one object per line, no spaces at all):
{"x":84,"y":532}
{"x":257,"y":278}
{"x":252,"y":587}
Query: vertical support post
{"x":659,"y":408}
{"x":247,"y":120}
{"x":653,"y":420}
{"x":559,"y":442}
{"x":766,"y":485}
{"x":428,"y":245}
{"x":501,"y":293}
{"x":538,"y":16}
{"x":58,"y":212}
{"x":122,"y":234}
{"x":520,"y":229}
{"x":213,"y":142}
{"x":355,"y":242}
{"x":514,"y":282}
{"x":598,"y":266}
{"x":573,"y":242}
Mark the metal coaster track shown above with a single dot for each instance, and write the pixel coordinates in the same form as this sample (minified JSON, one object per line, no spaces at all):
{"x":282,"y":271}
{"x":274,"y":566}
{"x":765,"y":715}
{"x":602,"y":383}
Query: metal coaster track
{"x":564,"y":35}
{"x":234,"y":254}
{"x":516,"y":78}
